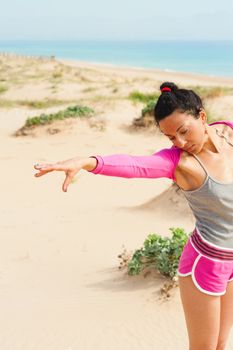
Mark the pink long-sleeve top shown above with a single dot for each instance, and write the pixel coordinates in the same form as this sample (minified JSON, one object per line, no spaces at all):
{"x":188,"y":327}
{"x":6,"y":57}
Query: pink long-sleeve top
{"x":160,"y":164}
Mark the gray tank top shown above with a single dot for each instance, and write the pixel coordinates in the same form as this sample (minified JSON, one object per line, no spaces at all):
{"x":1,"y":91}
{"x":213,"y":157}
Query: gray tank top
{"x":212,"y":206}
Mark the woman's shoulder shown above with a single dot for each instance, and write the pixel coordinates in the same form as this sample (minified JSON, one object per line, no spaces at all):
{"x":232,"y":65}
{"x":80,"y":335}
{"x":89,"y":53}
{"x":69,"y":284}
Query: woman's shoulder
{"x":224,"y":122}
{"x":225,"y":127}
{"x":173,"y":153}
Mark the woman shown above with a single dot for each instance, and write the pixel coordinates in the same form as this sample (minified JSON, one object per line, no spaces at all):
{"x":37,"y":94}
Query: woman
{"x":201,"y":163}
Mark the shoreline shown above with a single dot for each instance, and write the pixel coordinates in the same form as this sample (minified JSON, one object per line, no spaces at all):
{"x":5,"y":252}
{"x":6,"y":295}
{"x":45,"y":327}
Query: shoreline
{"x":121,"y":68}
{"x":141,"y":70}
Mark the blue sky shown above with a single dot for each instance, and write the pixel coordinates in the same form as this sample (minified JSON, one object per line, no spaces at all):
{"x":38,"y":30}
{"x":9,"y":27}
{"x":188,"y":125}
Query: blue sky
{"x":119,"y":19}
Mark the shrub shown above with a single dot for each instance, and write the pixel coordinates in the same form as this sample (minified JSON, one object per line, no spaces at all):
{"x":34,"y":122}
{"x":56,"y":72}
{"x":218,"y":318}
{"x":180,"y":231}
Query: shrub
{"x":211,"y":92}
{"x":46,"y":103}
{"x":161,"y":253}
{"x":3,"y":88}
{"x":57,"y":74}
{"x":137,"y":96}
{"x":149,"y":108}
{"x":70,"y":112}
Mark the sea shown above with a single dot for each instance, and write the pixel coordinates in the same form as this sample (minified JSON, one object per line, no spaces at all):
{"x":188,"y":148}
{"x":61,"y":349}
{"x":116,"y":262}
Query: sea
{"x":212,"y":58}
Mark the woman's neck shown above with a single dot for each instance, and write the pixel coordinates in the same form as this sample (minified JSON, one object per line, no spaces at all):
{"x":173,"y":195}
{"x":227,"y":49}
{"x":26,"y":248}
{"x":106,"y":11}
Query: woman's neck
{"x":213,"y":142}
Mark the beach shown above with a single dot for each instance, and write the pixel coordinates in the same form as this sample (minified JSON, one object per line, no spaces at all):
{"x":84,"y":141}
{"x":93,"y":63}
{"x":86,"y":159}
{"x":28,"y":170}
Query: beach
{"x":61,"y":286}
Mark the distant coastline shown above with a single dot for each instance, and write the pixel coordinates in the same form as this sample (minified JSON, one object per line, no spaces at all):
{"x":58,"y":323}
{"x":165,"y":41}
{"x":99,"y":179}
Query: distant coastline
{"x":186,"y":78}
{"x":211,"y":58}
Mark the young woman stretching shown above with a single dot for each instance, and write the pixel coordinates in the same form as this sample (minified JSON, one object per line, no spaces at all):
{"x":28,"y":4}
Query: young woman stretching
{"x":201,"y":163}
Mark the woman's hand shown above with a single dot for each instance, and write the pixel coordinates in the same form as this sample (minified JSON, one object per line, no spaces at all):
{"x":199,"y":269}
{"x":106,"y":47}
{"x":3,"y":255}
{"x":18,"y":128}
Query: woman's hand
{"x":70,"y":167}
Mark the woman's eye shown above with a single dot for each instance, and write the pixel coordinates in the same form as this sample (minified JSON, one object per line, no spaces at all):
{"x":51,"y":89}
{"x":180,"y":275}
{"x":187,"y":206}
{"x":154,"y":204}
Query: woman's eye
{"x":184,"y":132}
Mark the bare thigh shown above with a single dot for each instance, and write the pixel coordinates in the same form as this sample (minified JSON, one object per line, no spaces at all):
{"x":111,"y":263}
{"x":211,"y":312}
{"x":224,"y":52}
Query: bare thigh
{"x":226,"y":316}
{"x":202,"y":315}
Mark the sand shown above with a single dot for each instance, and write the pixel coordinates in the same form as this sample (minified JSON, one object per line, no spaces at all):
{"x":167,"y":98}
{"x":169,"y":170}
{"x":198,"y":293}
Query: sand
{"x":60,"y":285}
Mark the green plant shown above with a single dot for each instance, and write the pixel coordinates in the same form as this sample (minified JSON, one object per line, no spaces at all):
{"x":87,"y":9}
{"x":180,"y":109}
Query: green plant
{"x":149,"y":108}
{"x":211,"y":92}
{"x":3,"y":88}
{"x":115,"y":90}
{"x":137,"y":96}
{"x":70,"y":112}
{"x":57,"y":74}
{"x":89,"y":89}
{"x":46,"y":103}
{"x":161,"y":253}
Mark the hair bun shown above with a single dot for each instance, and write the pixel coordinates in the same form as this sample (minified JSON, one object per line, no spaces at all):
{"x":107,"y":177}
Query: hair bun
{"x":168,"y":85}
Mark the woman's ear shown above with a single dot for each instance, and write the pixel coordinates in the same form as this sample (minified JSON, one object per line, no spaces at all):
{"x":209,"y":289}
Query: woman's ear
{"x":203,"y":116}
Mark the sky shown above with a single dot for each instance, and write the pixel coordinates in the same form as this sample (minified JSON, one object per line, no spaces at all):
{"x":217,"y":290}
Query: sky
{"x":116,"y":20}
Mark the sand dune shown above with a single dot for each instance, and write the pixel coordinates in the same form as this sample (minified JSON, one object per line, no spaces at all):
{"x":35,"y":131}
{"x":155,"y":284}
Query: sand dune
{"x":171,"y":204}
{"x":60,"y":286}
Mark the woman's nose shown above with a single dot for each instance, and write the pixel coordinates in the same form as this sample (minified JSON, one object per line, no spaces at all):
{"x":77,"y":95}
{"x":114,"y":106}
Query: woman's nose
{"x":181,"y":143}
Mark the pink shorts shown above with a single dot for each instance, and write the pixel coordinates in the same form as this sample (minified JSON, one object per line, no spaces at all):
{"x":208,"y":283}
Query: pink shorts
{"x":209,"y":275}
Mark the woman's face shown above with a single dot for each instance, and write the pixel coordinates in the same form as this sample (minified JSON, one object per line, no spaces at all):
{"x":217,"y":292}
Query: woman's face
{"x":185,"y":131}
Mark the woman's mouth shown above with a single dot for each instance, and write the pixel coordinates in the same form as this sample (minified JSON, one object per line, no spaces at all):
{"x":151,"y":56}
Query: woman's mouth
{"x":190,"y":149}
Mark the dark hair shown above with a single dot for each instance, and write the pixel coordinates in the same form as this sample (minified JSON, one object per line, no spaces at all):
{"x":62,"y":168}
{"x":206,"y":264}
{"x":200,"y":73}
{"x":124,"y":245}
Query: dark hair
{"x":182,"y":100}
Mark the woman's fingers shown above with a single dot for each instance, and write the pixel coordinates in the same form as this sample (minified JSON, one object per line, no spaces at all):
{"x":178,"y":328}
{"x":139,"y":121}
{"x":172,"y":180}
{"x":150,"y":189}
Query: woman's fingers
{"x":67,"y":181}
{"x":59,"y":166}
{"x":41,"y":173}
{"x":46,"y":167}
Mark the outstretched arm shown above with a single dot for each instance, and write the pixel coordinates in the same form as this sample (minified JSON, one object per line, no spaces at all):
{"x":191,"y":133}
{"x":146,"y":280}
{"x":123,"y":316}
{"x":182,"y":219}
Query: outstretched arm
{"x":160,"y":164}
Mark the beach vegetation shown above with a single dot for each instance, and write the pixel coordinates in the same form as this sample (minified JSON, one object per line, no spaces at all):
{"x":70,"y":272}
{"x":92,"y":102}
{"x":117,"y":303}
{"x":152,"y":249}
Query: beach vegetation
{"x":70,"y":112}
{"x":3,"y":88}
{"x":146,"y":120}
{"x":37,"y":104}
{"x":147,"y":114}
{"x":57,"y":74}
{"x":212,"y":91}
{"x":98,"y":125}
{"x":6,"y":103}
{"x":137,"y":96}
{"x":40,"y":104}
{"x":89,"y":89}
{"x":115,"y":90}
{"x":103,"y":98}
{"x":149,"y":108}
{"x":158,"y":252}
{"x":54,"y":89}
